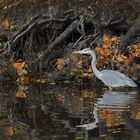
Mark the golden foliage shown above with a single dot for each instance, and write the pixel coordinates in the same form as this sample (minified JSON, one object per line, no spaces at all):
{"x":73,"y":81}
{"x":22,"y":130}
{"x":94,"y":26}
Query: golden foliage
{"x":110,"y":52}
{"x":109,"y":55}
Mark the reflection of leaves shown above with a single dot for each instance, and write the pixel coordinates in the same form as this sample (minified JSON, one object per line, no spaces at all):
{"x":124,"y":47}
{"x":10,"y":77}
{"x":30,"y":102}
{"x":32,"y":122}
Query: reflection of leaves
{"x":20,"y":95}
{"x":23,"y":79}
{"x":10,"y":131}
{"x":61,"y":98}
{"x":137,"y":115}
{"x":22,"y":72}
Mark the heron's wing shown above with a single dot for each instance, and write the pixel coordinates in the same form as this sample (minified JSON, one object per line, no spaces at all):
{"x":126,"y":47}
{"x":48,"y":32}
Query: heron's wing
{"x":115,"y":79}
{"x":128,"y":81}
{"x":111,"y":78}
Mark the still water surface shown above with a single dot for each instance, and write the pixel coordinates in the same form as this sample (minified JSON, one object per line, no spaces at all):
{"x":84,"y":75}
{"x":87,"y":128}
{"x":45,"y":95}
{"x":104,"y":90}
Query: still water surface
{"x":66,"y":112}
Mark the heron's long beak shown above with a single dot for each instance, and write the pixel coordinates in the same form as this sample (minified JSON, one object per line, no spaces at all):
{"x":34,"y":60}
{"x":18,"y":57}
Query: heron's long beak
{"x":76,"y":52}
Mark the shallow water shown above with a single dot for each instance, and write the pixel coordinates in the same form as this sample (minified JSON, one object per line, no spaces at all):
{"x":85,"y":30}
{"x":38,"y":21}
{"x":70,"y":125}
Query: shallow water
{"x":66,"y":112}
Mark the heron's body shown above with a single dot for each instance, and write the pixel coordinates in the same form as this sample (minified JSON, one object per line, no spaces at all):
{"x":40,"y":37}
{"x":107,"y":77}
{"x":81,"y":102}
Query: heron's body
{"x":115,"y":79}
{"x":110,"y":78}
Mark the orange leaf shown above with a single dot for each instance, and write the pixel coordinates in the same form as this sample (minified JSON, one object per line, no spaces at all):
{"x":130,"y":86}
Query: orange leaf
{"x":6,"y":23}
{"x":119,"y":58}
{"x":107,"y":41}
{"x":78,"y":64}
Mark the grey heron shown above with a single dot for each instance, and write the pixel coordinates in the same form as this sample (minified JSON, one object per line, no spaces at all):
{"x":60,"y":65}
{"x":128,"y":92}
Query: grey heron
{"x":110,"y":78}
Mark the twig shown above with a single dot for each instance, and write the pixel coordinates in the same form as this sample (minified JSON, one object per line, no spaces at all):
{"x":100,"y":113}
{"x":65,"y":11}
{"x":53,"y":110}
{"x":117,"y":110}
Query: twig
{"x":94,"y":40}
{"x":78,"y":41}
{"x":52,"y":36}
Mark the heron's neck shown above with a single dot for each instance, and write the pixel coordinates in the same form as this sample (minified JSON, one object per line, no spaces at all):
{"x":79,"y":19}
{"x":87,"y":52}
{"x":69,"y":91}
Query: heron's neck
{"x":93,"y":64}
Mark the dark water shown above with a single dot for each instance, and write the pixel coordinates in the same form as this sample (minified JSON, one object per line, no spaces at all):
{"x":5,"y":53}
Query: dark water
{"x":66,"y":112}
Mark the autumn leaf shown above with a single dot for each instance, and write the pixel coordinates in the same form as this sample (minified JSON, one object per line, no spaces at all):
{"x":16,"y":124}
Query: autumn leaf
{"x":60,"y":64}
{"x":78,"y":64}
{"x":5,"y":24}
{"x":106,"y":41}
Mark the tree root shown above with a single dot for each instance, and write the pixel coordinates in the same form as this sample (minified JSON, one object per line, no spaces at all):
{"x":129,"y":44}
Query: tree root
{"x":69,"y":30}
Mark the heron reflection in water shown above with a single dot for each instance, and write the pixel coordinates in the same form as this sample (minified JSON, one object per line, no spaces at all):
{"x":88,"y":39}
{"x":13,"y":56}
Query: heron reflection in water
{"x":108,"y":112}
{"x":110,"y":78}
